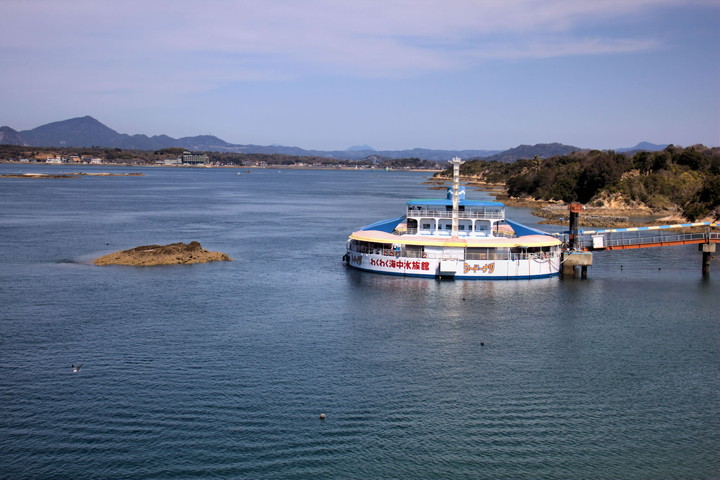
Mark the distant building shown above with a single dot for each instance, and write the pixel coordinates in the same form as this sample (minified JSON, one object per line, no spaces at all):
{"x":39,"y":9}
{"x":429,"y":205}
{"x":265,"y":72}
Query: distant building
{"x":190,"y":158}
{"x":91,"y":159}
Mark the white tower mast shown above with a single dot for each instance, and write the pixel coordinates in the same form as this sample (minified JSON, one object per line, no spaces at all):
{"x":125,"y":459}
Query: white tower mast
{"x":456,"y":162}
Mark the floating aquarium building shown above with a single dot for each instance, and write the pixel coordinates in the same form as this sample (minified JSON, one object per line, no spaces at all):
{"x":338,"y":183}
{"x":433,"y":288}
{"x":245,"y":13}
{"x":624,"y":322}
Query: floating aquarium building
{"x":454,"y":238}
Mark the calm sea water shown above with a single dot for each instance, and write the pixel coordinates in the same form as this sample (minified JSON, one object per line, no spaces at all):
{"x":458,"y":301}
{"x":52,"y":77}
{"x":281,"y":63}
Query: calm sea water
{"x":221,"y":370}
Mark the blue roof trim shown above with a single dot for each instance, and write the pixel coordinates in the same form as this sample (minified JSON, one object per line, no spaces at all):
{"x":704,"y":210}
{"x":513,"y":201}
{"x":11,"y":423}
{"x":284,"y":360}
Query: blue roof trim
{"x":442,"y":201}
{"x":521,"y":230}
{"x":386,"y":226}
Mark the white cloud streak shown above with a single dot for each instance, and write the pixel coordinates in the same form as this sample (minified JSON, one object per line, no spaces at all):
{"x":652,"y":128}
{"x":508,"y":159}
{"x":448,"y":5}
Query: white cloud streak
{"x":192,"y":45}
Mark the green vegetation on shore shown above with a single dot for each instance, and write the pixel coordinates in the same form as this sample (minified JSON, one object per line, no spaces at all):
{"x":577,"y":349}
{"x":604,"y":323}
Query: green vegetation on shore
{"x":686,"y":180}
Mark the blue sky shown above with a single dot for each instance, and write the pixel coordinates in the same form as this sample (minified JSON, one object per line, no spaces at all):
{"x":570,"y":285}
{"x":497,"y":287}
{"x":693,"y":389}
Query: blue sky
{"x":392,"y":74}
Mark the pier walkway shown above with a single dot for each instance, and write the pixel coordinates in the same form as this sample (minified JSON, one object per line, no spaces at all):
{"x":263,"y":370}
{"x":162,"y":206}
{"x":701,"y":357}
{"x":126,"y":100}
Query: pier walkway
{"x":578,"y":245}
{"x":643,"y":237}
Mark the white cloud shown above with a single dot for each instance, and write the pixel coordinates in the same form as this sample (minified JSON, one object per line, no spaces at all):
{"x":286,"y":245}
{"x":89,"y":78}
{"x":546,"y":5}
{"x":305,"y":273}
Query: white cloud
{"x":189,"y":45}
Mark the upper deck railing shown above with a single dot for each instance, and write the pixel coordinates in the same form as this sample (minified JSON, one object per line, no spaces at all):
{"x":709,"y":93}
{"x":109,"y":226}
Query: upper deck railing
{"x":493,"y":214}
{"x":448,"y":233}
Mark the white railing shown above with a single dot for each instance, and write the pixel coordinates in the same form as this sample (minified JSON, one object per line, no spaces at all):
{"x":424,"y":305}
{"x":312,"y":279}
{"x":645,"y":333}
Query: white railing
{"x":496,"y":214}
{"x":538,"y":256}
{"x":448,"y":233}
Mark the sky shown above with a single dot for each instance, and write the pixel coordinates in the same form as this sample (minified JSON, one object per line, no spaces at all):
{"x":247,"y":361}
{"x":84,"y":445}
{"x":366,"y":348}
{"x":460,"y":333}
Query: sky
{"x":391,"y":74}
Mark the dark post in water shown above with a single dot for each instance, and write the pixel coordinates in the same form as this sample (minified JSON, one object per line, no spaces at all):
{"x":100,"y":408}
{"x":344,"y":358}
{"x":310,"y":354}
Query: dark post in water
{"x":707,"y":250}
{"x":572,"y":258}
{"x":575,"y":209}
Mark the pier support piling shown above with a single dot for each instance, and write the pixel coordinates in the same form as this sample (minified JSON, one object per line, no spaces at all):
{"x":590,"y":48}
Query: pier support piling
{"x":569,"y":271}
{"x":572,"y":260}
{"x":707,"y":250}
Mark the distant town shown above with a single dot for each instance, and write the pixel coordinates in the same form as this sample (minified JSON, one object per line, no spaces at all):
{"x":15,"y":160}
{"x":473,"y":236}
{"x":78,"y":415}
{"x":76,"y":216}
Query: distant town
{"x":186,"y":158}
{"x":177,"y":157}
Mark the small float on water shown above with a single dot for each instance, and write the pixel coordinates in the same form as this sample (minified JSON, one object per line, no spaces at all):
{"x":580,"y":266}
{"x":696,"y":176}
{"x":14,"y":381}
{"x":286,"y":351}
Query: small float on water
{"x":454,"y":238}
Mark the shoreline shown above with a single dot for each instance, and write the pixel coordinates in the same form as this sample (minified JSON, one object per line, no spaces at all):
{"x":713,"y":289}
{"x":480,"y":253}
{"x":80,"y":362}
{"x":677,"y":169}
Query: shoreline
{"x":238,"y":167}
{"x":551,"y":212}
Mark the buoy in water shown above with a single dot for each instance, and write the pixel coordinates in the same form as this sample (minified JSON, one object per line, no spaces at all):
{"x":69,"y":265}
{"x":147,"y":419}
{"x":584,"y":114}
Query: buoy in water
{"x":322,"y":416}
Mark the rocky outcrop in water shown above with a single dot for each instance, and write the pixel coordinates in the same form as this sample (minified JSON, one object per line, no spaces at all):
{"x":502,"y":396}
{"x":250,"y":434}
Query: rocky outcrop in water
{"x":173,"y":254}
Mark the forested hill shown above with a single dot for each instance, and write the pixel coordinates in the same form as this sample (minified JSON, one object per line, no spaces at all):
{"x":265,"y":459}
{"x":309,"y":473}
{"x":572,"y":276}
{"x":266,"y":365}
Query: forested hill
{"x":542,"y":150}
{"x":684,"y":179}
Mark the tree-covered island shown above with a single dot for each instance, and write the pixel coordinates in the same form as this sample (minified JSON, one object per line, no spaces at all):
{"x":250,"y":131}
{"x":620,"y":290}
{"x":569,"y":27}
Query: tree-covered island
{"x":680,"y":181}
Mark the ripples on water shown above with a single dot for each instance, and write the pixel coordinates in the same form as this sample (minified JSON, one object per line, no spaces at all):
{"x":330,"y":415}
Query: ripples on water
{"x":221,"y":370}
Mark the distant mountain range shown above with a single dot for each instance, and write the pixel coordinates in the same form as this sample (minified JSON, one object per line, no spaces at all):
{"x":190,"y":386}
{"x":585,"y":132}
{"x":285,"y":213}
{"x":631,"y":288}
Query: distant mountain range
{"x":89,"y":132}
{"x":647,"y":146}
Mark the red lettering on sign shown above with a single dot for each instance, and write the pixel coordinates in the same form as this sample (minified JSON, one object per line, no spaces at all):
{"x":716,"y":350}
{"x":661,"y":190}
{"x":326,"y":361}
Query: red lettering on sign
{"x":487,"y":268}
